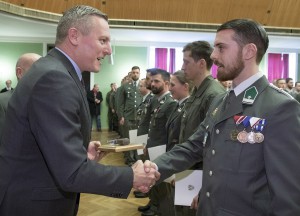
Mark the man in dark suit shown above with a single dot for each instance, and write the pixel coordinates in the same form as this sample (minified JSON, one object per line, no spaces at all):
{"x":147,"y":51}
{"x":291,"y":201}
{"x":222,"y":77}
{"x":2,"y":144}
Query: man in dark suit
{"x":22,"y":66}
{"x":46,"y":157}
{"x":250,"y":153}
{"x":95,"y":99}
{"x":8,"y":87}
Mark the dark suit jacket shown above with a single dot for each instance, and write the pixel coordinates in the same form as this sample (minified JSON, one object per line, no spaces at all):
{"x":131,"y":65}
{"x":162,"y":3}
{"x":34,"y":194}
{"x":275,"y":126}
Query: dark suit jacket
{"x":241,"y":178}
{"x":95,"y":108}
{"x":5,"y":90}
{"x":4,"y":98}
{"x":43,"y":158}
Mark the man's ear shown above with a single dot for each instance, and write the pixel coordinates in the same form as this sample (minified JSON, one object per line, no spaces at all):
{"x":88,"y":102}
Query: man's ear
{"x":249,"y":51}
{"x":201,"y":63}
{"x":19,"y":72}
{"x":73,"y":35}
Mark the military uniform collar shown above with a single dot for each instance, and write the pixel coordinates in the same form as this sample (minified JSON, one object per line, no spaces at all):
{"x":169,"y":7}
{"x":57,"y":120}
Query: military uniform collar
{"x":144,"y":97}
{"x":162,"y":96}
{"x":198,"y":91}
{"x":182,"y":100}
{"x":247,"y":83}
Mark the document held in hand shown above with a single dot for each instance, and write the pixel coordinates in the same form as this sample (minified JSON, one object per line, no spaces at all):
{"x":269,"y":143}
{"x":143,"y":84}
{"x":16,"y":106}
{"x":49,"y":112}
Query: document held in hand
{"x":156,"y":151}
{"x":187,"y":185}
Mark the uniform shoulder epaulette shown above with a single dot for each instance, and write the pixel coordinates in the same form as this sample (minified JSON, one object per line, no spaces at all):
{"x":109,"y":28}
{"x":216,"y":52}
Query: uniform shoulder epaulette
{"x":280,"y":90}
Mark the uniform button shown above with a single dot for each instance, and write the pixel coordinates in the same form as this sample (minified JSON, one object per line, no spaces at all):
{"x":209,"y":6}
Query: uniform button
{"x":207,"y":194}
{"x":217,"y":131}
{"x":213,"y":152}
{"x":210,"y":173}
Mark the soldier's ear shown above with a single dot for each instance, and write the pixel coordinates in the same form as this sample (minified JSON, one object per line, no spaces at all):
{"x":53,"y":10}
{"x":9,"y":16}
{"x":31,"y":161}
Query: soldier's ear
{"x":249,"y":51}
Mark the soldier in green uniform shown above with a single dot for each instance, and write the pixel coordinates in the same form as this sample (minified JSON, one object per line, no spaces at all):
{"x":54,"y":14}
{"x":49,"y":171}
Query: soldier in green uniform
{"x":161,"y":108}
{"x":129,"y":98}
{"x":250,"y":153}
{"x":196,"y":66}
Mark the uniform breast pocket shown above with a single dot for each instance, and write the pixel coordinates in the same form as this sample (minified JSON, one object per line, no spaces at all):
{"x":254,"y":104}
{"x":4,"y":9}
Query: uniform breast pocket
{"x":160,"y":118}
{"x":241,"y":157}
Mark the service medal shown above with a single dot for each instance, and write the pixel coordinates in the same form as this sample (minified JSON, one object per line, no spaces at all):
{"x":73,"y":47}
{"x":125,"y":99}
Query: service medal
{"x":234,"y":134}
{"x":250,"y":137}
{"x":258,"y":137}
{"x":242,"y":136}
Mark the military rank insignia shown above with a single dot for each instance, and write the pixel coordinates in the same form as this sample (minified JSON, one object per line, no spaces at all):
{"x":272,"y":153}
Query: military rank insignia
{"x":250,"y":95}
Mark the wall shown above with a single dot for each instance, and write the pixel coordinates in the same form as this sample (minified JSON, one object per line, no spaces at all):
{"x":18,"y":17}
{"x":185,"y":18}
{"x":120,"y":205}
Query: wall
{"x":9,"y":54}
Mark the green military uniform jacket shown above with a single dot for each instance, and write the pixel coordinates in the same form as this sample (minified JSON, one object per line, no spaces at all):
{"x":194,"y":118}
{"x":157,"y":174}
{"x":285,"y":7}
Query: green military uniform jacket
{"x":144,"y":115}
{"x":173,"y":125}
{"x":128,"y":99}
{"x":197,"y":105}
{"x":160,"y":112}
{"x":260,"y":178}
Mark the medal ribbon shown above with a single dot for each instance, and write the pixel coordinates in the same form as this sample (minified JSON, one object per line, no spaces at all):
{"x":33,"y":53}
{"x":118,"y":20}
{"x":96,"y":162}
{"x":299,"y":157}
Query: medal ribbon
{"x":260,"y":125}
{"x":254,"y":121}
{"x":239,"y":119}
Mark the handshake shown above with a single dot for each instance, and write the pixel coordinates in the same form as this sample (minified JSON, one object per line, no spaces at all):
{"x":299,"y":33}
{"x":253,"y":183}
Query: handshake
{"x":145,"y":175}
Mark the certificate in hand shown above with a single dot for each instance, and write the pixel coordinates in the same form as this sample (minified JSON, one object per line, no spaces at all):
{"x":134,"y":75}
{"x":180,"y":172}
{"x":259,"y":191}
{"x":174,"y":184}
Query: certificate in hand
{"x":187,"y":185}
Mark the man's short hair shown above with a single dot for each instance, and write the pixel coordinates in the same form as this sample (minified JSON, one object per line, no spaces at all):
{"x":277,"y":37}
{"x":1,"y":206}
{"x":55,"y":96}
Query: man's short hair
{"x":248,"y":31}
{"x":154,"y":71}
{"x":200,"y":50}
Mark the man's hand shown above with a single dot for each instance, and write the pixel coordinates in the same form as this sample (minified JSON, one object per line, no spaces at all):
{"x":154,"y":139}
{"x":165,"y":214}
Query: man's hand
{"x":148,"y":165}
{"x":122,"y":121}
{"x":144,"y":177}
{"x":194,"y":204}
{"x":94,"y":152}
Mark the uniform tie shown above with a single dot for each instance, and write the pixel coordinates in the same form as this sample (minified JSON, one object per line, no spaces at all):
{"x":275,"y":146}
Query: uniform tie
{"x":228,"y":99}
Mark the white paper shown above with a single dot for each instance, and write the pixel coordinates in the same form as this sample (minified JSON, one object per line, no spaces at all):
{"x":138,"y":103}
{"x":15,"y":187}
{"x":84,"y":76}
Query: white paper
{"x":187,"y":185}
{"x":133,"y":136}
{"x":141,"y":140}
{"x":135,"y":139}
{"x":156,"y":151}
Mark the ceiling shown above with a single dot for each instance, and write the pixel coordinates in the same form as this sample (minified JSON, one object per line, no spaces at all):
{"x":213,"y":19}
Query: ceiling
{"x":16,"y":28}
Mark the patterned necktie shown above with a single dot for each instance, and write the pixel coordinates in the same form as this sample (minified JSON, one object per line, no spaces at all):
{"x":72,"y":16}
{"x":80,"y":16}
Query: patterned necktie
{"x":83,"y":85}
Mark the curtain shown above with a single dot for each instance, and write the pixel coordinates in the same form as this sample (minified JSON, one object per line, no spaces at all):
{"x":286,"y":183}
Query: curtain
{"x":172,"y":61}
{"x":278,"y":66}
{"x":161,"y":58}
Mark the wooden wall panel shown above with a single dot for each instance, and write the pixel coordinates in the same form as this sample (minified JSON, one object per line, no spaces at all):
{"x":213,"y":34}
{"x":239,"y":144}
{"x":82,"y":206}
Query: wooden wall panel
{"x":93,"y":3}
{"x":254,"y":9}
{"x":285,"y":13}
{"x":208,"y":11}
{"x":276,"y":13}
{"x":55,"y":6}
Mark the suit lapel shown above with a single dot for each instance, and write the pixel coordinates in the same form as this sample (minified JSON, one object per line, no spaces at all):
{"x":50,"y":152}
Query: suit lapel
{"x":68,"y":65}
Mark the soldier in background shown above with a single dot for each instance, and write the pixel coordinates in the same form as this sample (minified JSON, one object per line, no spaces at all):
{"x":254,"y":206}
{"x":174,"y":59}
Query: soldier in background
{"x":129,"y":98}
